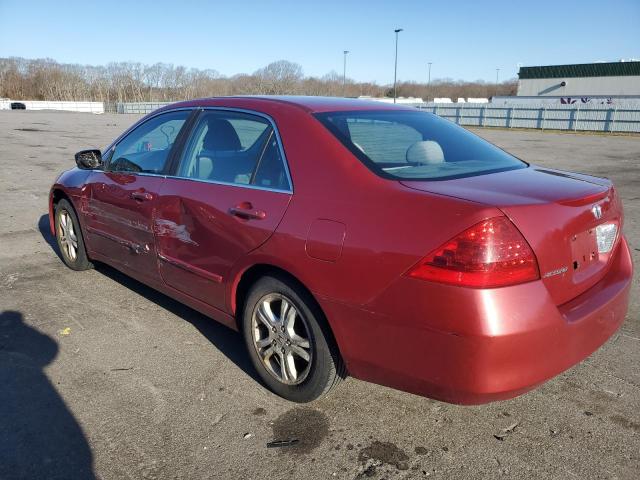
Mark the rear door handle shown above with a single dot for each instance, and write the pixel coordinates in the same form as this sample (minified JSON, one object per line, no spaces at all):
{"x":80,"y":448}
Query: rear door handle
{"x":246,"y":211}
{"x":141,"y":196}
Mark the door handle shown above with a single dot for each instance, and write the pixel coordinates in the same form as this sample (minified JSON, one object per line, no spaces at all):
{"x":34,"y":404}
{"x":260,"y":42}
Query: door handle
{"x":245,"y":210}
{"x":141,"y":196}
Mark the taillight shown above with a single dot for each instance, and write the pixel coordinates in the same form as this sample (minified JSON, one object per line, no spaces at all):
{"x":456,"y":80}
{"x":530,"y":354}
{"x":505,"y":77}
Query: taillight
{"x":492,"y":253}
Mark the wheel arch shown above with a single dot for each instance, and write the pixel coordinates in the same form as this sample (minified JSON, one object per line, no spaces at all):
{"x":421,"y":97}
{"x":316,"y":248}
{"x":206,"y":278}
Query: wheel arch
{"x":252,"y":274}
{"x":57,"y":194}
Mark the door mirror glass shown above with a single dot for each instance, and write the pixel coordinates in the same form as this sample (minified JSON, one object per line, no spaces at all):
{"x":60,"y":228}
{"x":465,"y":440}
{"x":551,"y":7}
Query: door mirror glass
{"x":89,"y":159}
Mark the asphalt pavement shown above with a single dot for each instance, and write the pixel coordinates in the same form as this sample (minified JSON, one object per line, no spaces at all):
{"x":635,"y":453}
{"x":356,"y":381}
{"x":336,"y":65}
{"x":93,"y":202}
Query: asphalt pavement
{"x":102,"y":377}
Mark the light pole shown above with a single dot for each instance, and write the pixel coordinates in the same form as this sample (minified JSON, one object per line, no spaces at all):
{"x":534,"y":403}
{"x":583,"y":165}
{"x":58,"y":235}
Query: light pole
{"x":344,"y":72}
{"x":497,"y":75}
{"x":395,"y":70}
{"x":429,"y":82}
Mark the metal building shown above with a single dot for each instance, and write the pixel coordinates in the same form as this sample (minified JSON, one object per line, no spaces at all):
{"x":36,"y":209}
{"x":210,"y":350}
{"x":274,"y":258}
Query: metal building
{"x":612,"y":79}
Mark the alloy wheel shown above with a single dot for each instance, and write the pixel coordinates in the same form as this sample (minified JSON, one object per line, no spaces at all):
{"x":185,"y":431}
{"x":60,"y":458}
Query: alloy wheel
{"x":67,"y":236}
{"x":281,"y":338}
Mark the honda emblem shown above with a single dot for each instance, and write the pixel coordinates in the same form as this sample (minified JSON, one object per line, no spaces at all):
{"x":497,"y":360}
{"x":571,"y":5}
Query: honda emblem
{"x":597,"y":211}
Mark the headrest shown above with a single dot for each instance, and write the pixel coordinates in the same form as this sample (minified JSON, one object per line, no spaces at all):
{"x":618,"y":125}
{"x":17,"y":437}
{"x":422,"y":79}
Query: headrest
{"x":221,"y":136}
{"x":425,"y":152}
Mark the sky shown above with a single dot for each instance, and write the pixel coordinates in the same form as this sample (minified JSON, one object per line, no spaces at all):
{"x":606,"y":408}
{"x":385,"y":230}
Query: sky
{"x":465,"y":40}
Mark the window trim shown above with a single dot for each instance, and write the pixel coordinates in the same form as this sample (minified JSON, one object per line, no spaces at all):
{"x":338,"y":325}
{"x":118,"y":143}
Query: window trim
{"x":174,"y":162}
{"x":177,"y":145}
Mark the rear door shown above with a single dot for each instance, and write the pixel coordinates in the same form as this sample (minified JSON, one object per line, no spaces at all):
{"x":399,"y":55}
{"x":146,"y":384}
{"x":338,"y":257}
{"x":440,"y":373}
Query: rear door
{"x":123,"y":196}
{"x":227,"y":195}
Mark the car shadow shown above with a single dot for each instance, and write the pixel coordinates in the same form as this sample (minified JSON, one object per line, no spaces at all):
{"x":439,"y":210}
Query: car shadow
{"x":39,"y":436}
{"x":227,"y":341}
{"x":45,"y":231}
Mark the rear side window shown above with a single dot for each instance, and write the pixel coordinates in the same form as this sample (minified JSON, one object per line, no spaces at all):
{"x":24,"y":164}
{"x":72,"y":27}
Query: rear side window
{"x":270,"y":172}
{"x":248,"y":130}
{"x":407,"y":145}
{"x":235,"y":148}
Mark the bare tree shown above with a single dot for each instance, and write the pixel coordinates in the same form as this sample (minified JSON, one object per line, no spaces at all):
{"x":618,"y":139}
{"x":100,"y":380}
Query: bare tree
{"x":46,"y":79}
{"x":281,"y":77}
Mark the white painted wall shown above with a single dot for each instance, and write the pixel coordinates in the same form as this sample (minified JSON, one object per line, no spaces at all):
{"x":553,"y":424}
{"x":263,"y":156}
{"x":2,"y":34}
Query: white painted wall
{"x":633,"y":102}
{"x":580,"y":87}
{"x":88,"y":107}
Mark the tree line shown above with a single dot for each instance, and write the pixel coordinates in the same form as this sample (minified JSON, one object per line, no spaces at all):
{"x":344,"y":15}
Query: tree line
{"x":46,"y":79}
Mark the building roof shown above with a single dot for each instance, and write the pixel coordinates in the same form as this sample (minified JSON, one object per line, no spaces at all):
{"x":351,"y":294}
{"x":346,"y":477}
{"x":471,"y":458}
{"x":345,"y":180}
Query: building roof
{"x":609,"y":69}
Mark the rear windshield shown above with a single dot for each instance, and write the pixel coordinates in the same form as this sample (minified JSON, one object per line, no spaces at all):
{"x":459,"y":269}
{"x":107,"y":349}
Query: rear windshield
{"x":406,"y":145}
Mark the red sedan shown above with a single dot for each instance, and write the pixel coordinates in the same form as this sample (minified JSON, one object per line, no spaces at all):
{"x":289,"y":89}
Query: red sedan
{"x":352,"y":236}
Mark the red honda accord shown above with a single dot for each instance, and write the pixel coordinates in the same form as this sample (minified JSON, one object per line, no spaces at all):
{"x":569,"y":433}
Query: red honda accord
{"x":352,"y":236}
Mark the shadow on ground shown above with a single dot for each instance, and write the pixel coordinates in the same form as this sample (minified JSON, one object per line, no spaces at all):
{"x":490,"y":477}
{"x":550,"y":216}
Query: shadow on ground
{"x":45,"y":231}
{"x":39,"y":437}
{"x":229,"y":342}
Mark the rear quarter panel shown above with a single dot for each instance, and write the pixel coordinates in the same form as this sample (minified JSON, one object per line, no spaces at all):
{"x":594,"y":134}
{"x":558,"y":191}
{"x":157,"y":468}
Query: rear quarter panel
{"x":388,"y":227}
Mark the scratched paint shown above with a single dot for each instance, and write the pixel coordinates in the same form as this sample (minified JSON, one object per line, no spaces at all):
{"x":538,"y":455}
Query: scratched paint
{"x":167,"y":228}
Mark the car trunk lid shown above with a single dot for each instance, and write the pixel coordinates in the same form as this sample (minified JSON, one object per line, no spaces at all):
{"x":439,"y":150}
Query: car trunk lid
{"x":557,"y":212}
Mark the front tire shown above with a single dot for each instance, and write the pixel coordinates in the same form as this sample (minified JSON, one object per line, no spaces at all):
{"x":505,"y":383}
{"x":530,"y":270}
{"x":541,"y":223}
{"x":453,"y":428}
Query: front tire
{"x":288,"y":340}
{"x":69,"y":237}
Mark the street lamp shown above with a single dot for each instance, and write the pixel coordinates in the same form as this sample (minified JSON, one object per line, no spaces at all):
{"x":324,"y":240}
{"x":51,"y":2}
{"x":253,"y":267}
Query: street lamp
{"x":497,"y":75}
{"x":344,"y":72}
{"x":429,"y":82}
{"x":395,"y":70}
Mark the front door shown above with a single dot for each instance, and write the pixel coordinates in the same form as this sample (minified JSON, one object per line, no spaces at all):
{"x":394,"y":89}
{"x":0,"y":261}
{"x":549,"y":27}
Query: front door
{"x":228,"y":194}
{"x":124,"y":196}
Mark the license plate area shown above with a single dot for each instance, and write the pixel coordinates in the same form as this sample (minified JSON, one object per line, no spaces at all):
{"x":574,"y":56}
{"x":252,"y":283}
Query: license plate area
{"x":584,"y":249}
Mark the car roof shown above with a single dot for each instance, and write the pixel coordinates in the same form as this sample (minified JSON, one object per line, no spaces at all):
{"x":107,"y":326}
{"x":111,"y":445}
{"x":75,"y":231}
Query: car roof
{"x":308,"y":103}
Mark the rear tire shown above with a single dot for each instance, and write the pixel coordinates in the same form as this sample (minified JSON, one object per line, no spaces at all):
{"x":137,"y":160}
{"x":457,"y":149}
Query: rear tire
{"x":69,"y":237}
{"x":288,"y":340}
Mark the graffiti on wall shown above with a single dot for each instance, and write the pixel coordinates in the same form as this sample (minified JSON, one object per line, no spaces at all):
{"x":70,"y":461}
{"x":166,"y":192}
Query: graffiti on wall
{"x":591,"y":100}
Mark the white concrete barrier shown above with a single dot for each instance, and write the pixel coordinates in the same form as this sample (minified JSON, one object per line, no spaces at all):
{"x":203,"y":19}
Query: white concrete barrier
{"x":87,"y":107}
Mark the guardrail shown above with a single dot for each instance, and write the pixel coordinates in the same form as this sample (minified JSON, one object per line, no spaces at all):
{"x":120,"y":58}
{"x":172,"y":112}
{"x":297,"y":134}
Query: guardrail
{"x":580,"y":117}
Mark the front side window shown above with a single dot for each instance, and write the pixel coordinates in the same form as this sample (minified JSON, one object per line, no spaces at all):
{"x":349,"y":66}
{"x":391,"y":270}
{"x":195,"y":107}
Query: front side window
{"x":407,"y":145}
{"x":235,"y":148}
{"x":146,"y":149}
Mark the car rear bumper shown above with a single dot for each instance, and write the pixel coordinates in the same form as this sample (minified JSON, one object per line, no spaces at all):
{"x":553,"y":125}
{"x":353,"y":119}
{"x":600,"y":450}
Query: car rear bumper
{"x":473,"y":346}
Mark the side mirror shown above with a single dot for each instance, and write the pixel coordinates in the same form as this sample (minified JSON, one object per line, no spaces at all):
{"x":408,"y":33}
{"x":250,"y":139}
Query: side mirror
{"x":89,"y":159}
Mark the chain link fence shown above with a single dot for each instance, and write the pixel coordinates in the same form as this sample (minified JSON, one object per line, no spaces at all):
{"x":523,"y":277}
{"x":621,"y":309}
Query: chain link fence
{"x":136,"y":107}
